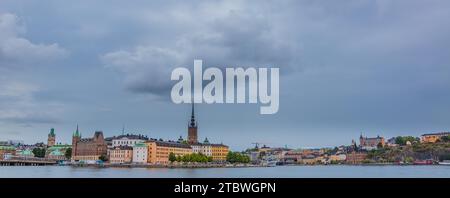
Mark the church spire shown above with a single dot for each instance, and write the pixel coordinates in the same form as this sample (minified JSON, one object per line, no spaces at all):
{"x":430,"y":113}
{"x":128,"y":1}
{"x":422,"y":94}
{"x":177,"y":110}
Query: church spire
{"x":77,"y":133}
{"x":193,"y":123}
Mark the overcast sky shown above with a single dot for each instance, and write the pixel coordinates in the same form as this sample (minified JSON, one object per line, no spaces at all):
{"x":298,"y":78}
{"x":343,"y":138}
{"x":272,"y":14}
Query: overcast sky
{"x":377,"y":67}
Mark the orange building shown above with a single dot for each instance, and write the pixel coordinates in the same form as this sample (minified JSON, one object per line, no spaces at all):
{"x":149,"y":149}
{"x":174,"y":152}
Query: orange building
{"x":219,"y":152}
{"x":158,"y":150}
{"x":433,"y":137}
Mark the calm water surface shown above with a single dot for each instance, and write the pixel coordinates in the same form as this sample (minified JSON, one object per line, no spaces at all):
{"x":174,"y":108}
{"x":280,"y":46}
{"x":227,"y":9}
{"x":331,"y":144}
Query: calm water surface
{"x":279,"y":171}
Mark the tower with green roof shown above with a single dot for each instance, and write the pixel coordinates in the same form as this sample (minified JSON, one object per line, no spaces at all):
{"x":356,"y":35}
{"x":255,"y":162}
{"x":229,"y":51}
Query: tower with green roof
{"x":51,"y":138}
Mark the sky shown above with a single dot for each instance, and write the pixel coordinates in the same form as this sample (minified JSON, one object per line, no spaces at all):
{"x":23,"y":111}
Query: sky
{"x":371,"y":67}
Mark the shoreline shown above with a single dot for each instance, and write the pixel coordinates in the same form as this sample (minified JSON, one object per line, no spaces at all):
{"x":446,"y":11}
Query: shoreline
{"x":201,"y":166}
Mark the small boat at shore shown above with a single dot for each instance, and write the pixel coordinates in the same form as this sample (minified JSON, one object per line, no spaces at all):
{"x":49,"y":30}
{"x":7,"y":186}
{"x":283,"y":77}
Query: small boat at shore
{"x":423,"y":162}
{"x":445,"y":163}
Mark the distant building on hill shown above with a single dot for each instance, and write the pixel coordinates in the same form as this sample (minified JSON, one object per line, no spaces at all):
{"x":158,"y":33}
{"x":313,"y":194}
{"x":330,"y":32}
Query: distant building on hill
{"x":367,"y":143}
{"x":433,"y":137}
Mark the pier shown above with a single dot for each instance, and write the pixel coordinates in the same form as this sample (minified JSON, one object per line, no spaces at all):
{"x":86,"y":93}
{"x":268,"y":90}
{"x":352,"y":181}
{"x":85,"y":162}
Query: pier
{"x":26,"y":161}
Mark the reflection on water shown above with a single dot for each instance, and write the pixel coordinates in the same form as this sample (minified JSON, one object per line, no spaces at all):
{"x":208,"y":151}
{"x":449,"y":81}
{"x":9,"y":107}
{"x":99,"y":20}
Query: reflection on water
{"x":280,"y":171}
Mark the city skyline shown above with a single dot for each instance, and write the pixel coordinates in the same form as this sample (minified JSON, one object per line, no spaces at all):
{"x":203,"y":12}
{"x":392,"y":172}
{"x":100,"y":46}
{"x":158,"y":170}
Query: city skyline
{"x":346,"y":68}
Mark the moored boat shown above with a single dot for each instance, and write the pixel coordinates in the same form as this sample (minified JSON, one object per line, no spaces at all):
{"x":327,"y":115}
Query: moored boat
{"x":445,"y":162}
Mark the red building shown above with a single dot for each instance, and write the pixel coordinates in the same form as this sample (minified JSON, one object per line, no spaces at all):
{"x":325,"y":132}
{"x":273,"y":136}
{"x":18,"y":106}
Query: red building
{"x":85,"y":149}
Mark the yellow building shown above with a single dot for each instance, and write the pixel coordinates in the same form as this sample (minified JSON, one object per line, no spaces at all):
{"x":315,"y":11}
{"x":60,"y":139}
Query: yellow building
{"x":433,"y":137}
{"x":121,"y":155}
{"x":219,"y":152}
{"x":158,"y":151}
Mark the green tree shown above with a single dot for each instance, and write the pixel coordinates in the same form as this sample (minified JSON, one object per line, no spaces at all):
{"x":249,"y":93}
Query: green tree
{"x":446,"y":138}
{"x":172,"y":157}
{"x":236,"y":157}
{"x":103,"y":158}
{"x":68,"y":153}
{"x":39,"y":152}
{"x":401,"y":140}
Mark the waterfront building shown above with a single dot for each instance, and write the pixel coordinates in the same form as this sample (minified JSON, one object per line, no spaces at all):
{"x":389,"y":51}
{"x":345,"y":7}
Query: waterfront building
{"x":293,"y":156}
{"x":367,"y":143}
{"x":51,"y":138}
{"x":158,"y":150}
{"x":56,"y":155}
{"x":308,"y":160}
{"x":121,"y":155}
{"x":433,"y":137}
{"x":355,"y":157}
{"x":57,"y":152}
{"x":254,"y":156}
{"x":204,"y":148}
{"x":109,"y":146}
{"x":86,"y":149}
{"x":140,"y":153}
{"x":6,"y":151}
{"x":338,"y":157}
{"x":26,"y":153}
{"x":219,"y":152}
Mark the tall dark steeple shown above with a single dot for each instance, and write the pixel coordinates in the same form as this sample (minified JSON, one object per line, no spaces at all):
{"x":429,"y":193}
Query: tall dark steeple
{"x":192,"y":129}
{"x":193,"y":123}
{"x":76,"y":137}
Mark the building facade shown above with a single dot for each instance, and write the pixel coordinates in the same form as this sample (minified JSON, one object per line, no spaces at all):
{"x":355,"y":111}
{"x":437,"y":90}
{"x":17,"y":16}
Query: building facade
{"x":6,"y":151}
{"x":219,"y":152}
{"x":371,"y":143}
{"x":57,"y":152}
{"x":158,"y":151}
{"x":204,"y":148}
{"x":355,"y":157}
{"x":121,"y":155}
{"x":87,"y":149}
{"x":128,"y":140}
{"x":140,"y":153}
{"x":433,"y":137}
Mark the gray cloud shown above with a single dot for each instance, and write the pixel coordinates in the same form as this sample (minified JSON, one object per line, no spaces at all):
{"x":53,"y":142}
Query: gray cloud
{"x":18,"y":104}
{"x":17,"y":50}
{"x":233,"y":38}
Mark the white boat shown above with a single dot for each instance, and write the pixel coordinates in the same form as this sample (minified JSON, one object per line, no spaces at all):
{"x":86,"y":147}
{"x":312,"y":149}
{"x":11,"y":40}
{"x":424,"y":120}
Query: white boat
{"x":445,"y":162}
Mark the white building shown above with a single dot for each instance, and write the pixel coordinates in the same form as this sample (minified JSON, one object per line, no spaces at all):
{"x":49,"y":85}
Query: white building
{"x":140,"y":153}
{"x":204,"y":148}
{"x":128,"y":140}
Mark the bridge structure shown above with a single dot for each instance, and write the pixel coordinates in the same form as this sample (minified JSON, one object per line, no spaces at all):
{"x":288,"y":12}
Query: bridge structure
{"x":27,"y":161}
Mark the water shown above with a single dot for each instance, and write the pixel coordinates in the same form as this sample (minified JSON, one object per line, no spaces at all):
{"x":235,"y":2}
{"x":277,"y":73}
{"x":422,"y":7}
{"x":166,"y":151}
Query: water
{"x":254,"y":172}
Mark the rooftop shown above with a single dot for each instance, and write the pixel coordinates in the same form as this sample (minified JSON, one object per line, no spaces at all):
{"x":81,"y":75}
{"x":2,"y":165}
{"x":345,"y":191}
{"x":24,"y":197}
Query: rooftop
{"x":169,"y":143}
{"x":439,"y":133}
